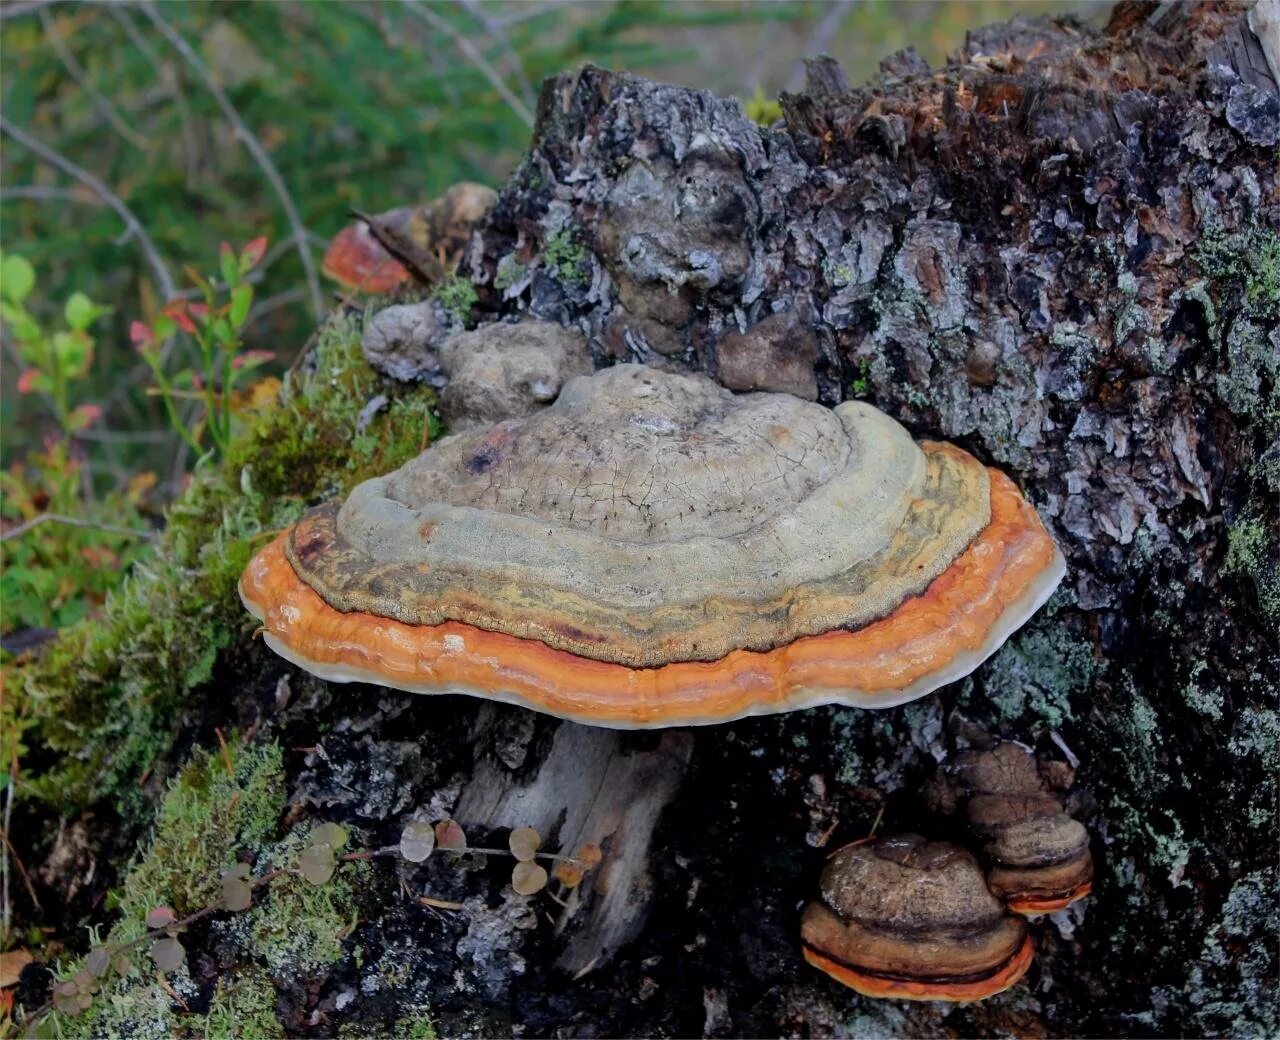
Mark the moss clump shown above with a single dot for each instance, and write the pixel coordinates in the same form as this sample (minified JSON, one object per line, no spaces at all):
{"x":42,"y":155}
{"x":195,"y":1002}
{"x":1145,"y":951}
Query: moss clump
{"x":566,"y":257}
{"x":299,"y":927}
{"x":1247,"y":260}
{"x":209,"y":820}
{"x":762,"y":109}
{"x":457,"y":296}
{"x":105,"y":698}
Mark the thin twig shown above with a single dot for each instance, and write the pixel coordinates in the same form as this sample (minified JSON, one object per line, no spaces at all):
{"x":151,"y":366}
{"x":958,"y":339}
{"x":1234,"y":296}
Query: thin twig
{"x":76,"y":71}
{"x":16,"y":10}
{"x":42,"y":194}
{"x":74,"y":521}
{"x":134,"y":226}
{"x":472,"y":52}
{"x":498,"y":33}
{"x":297,"y":231}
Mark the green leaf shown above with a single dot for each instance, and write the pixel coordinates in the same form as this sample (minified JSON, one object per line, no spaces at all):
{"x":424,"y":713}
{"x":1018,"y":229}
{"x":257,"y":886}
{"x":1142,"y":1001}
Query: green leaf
{"x":317,"y":863}
{"x":229,"y":264}
{"x":417,"y":841}
{"x":81,"y":312}
{"x":332,"y":834}
{"x":168,"y":954}
{"x":17,"y":277}
{"x":223,"y":332}
{"x":241,"y":300}
{"x":72,"y":350}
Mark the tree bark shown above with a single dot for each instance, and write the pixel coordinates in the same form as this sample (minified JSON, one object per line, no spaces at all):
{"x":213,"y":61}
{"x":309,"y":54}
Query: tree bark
{"x":1061,"y":251}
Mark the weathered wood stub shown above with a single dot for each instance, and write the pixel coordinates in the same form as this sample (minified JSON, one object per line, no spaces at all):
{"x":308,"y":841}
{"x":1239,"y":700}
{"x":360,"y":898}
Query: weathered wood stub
{"x":1060,"y":250}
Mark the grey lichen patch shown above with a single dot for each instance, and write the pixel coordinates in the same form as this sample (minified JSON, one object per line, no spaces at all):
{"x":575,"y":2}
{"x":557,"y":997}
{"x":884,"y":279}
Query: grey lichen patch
{"x":1042,"y":673}
{"x":1232,"y":987}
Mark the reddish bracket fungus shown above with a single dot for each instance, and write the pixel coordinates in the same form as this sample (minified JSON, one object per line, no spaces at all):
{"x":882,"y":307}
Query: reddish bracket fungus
{"x":653,"y":550}
{"x":1040,"y":858}
{"x":911,"y":919}
{"x":427,"y":237}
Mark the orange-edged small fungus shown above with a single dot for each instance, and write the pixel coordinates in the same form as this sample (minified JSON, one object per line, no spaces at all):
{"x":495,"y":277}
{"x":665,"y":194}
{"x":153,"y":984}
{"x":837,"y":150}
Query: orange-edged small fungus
{"x":653,"y":550}
{"x":1040,"y":857}
{"x":430,"y":238}
{"x":910,"y":919}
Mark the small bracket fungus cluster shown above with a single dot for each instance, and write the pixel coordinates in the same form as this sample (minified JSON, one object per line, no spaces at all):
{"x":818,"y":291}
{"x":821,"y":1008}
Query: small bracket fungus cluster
{"x":1039,"y":856}
{"x":912,"y":919}
{"x":653,"y":550}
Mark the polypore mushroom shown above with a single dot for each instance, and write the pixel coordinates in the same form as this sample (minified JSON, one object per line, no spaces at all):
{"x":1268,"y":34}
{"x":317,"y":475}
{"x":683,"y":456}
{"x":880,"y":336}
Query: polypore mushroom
{"x":652,"y":550}
{"x":1040,"y":858}
{"x":429,"y":238}
{"x":912,"y":919}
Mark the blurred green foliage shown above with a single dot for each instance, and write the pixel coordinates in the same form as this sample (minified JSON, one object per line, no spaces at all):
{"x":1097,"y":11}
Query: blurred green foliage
{"x":356,"y":105}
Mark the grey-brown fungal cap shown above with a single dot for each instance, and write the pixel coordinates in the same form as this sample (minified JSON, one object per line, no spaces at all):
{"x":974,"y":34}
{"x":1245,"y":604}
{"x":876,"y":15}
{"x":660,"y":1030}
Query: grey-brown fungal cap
{"x":1040,"y":856}
{"x":912,"y":919}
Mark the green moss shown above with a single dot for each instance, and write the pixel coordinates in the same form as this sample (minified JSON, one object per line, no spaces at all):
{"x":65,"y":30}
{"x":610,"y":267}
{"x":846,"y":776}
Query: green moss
{"x":1253,"y":553}
{"x":208,"y":817}
{"x":104,"y":699}
{"x":209,"y":820}
{"x":762,"y":109}
{"x":420,"y":1028}
{"x":299,"y":927}
{"x":243,"y":1007}
{"x":457,"y":296}
{"x":860,"y":385}
{"x":566,"y":257}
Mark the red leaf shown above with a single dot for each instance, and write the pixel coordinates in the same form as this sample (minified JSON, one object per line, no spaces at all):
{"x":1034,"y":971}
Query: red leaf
{"x":253,"y":252}
{"x":28,"y":380}
{"x":177,"y":310}
{"x":141,"y":334}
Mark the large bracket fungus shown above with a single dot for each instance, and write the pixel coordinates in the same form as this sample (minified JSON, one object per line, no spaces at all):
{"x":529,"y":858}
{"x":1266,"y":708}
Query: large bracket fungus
{"x":653,"y":550}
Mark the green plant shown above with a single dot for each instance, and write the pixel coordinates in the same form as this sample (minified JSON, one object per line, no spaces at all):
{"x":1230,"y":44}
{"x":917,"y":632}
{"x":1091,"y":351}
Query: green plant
{"x":564,"y":255}
{"x":64,"y":550}
{"x":55,"y":359}
{"x":215,"y":328}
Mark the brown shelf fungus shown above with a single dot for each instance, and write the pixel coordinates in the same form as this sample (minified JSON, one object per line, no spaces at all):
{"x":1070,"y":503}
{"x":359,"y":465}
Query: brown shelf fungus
{"x":653,"y":550}
{"x":911,"y":919}
{"x":1040,"y":857}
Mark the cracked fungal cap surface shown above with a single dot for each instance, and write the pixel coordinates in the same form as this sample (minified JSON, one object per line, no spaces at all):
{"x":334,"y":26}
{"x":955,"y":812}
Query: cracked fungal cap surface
{"x":654,"y":550}
{"x":911,"y":919}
